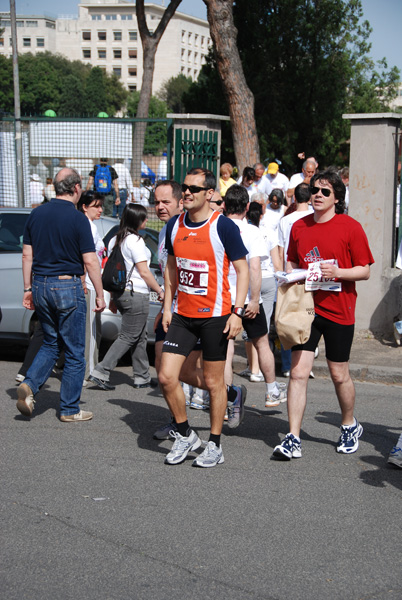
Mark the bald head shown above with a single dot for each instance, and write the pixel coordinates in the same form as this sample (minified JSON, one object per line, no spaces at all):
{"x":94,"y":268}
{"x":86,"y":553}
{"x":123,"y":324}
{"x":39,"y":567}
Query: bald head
{"x":66,"y":181}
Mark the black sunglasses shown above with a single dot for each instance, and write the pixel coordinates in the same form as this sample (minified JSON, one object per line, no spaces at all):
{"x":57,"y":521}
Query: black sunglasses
{"x":218,"y":202}
{"x":325,"y":191}
{"x":193,"y":189}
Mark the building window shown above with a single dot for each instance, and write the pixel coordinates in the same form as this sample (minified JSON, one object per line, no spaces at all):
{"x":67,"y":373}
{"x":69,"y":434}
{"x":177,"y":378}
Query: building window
{"x":31,"y":23}
{"x":196,"y":39}
{"x":117,"y":53}
{"x":183,"y":36}
{"x":117,"y":71}
{"x":50,"y":25}
{"x":132,"y":88}
{"x":126,"y":17}
{"x":132,"y":71}
{"x":102,"y":35}
{"x":183,"y":52}
{"x":20,"y":23}
{"x":40,"y":42}
{"x":132,"y":53}
{"x":96,"y":17}
{"x":188,"y":72}
{"x":183,"y":70}
{"x":117,"y":36}
{"x":189,"y":37}
{"x":202,"y":41}
{"x":102,"y":54}
{"x":111,"y":17}
{"x":26,"y":42}
{"x":195,"y":56}
{"x":86,"y":53}
{"x":86,"y":35}
{"x":132,"y":36}
{"x":1,"y":41}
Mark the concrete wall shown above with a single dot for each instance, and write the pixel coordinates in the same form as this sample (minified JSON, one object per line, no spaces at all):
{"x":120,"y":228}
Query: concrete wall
{"x":372,"y":189}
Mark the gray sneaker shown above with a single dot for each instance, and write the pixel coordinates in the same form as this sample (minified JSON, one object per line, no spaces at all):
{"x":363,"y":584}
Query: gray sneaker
{"x":25,"y":402}
{"x":211,"y":456}
{"x":164,"y":432}
{"x":181,"y":447}
{"x":236,"y":409}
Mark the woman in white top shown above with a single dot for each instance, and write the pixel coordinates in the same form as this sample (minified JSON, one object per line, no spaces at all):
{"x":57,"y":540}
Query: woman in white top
{"x":275,"y":209}
{"x":91,"y":204}
{"x":133,"y":303}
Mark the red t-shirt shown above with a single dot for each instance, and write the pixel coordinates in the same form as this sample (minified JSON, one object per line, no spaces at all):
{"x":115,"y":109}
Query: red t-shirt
{"x":342,"y":238}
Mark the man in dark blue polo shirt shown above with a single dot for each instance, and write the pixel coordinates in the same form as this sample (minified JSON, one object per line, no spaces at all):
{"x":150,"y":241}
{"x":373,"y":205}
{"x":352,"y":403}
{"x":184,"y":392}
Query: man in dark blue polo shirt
{"x":58,"y":244}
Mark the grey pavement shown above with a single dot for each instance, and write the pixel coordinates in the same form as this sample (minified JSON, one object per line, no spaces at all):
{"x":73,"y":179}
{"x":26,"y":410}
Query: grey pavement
{"x":90,"y":510}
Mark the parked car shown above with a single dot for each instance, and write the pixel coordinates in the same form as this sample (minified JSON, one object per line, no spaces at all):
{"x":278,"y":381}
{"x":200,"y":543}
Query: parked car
{"x":17,"y":322}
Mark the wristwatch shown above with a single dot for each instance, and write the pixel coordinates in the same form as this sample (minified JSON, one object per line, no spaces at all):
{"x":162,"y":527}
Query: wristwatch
{"x":239,"y":311}
{"x":27,"y":290}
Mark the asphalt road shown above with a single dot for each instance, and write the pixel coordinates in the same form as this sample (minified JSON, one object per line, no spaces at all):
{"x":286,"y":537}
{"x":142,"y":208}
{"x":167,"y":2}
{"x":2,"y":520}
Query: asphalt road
{"x":90,"y":510}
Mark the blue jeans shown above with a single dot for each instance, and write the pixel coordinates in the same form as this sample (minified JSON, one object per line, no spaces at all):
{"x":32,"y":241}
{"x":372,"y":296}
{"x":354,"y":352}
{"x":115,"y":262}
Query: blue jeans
{"x":61,"y":309}
{"x":118,"y":210}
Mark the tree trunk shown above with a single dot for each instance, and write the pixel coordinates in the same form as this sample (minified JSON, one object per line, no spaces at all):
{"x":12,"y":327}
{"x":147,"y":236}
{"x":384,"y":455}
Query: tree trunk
{"x":238,"y":95}
{"x":150,"y":43}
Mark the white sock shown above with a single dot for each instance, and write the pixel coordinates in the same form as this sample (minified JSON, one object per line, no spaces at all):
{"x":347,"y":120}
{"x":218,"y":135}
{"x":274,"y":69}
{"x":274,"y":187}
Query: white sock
{"x":272,"y":388}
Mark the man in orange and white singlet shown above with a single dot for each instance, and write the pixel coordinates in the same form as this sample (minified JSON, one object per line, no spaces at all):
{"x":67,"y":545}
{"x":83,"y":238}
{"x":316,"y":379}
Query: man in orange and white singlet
{"x":200,"y":244}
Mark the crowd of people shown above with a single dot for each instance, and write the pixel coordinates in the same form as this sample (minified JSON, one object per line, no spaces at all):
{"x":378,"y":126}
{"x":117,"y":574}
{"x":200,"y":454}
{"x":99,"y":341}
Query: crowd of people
{"x":219,"y":250}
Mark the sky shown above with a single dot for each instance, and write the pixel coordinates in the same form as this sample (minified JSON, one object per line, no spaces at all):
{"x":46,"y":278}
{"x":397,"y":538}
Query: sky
{"x":385,"y":18}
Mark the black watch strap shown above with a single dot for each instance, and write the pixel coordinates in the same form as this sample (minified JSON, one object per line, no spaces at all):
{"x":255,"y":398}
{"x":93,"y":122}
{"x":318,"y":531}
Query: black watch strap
{"x":239,"y":311}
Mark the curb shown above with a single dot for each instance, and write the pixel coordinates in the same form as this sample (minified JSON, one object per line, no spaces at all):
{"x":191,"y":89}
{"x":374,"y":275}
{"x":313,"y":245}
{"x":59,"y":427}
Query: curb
{"x":368,"y":373}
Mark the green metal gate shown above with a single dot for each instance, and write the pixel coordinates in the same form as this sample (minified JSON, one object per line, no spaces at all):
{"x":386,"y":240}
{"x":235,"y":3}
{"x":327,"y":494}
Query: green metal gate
{"x":195,"y":148}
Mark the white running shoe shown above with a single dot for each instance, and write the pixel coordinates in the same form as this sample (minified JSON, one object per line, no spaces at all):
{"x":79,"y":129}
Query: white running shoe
{"x":256,"y":377}
{"x":181,"y":447}
{"x":275,"y":399}
{"x":211,"y":456}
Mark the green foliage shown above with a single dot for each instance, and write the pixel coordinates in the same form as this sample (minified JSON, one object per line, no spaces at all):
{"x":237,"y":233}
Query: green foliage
{"x":172,"y":91}
{"x":306,"y":62}
{"x":155,"y":136}
{"x":70,"y":88}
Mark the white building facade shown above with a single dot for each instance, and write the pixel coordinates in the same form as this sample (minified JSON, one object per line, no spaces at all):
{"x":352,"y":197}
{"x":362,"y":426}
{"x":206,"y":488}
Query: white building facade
{"x":106,"y":35}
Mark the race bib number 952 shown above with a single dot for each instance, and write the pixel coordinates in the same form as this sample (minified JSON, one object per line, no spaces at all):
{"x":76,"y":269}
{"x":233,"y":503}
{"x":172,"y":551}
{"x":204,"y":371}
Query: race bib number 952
{"x":192,"y":276}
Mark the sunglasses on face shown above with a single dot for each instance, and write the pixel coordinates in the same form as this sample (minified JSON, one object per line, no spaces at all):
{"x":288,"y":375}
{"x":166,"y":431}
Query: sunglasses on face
{"x":193,"y":189}
{"x":324,"y":191}
{"x":218,"y":202}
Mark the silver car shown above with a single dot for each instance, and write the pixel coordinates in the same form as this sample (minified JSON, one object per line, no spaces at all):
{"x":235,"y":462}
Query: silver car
{"x":17,"y":322}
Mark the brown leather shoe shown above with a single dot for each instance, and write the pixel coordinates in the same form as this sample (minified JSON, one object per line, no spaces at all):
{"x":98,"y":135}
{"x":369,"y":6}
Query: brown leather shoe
{"x":25,"y":402}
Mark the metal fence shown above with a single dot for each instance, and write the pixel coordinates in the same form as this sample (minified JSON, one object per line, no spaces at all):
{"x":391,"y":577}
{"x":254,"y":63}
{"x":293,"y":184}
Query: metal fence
{"x":49,"y":144}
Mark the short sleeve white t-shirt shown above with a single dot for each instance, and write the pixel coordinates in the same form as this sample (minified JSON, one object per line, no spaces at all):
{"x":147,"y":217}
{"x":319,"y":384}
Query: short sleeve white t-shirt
{"x":255,"y":244}
{"x":134,"y":251}
{"x":285,"y":227}
{"x":271,"y":241}
{"x":272,"y":217}
{"x":99,"y":250}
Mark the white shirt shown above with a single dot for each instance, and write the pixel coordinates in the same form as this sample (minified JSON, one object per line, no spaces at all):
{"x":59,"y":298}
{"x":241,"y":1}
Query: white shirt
{"x":134,"y":251}
{"x":255,"y":244}
{"x":285,"y":227}
{"x":295,"y":180}
{"x":99,"y":250}
{"x":262,"y":185}
{"x":124,"y":178}
{"x":271,"y":241}
{"x":279,"y":182}
{"x":272,"y":216}
{"x":35,"y":191}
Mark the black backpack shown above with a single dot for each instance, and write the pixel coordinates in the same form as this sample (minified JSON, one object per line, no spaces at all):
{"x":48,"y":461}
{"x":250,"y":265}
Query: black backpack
{"x":114,"y":276}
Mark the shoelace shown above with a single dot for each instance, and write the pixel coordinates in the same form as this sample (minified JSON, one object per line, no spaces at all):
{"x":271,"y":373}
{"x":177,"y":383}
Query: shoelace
{"x":346,"y":435}
{"x":179,"y":444}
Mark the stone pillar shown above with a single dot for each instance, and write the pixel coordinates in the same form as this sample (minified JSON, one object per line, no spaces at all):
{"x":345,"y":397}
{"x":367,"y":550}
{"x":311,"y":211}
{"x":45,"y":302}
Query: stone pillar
{"x":372,"y":190}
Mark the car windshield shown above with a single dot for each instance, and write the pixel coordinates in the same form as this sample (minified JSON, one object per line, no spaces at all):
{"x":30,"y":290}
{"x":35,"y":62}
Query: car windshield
{"x":11,"y":231}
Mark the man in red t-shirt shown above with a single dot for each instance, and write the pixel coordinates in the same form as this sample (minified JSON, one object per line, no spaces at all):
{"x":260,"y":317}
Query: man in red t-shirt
{"x":338,"y":244}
